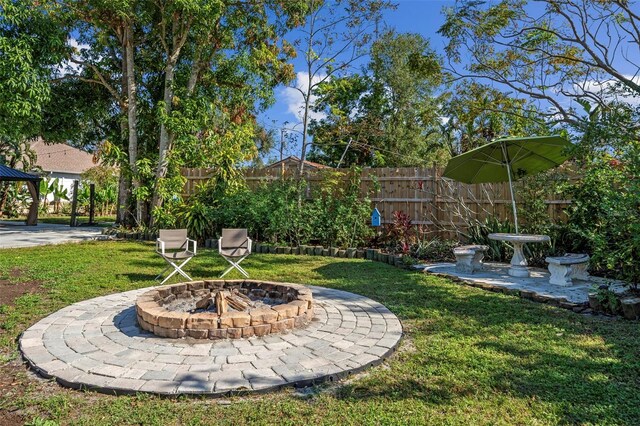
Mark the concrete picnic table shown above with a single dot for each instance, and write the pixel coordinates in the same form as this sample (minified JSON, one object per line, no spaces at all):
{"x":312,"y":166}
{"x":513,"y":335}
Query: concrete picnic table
{"x":519,"y":263}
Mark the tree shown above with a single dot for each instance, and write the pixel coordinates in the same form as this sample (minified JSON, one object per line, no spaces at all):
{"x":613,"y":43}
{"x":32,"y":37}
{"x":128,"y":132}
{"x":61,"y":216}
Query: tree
{"x":182,"y":78}
{"x":604,"y":210}
{"x":31,"y":43}
{"x":389,"y":114}
{"x":335,"y":36}
{"x":553,"y":52}
{"x":475,"y":114}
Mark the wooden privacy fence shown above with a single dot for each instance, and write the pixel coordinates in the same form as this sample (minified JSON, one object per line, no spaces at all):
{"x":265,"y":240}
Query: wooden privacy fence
{"x":429,"y":199}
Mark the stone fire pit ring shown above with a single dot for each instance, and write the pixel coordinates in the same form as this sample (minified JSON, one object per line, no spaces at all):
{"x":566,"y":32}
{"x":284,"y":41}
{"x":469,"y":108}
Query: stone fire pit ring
{"x":181,"y":310}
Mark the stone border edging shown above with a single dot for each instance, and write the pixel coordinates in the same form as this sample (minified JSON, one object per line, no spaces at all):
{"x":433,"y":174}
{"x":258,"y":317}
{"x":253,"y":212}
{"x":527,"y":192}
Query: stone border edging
{"x":559,"y":302}
{"x":376,"y":255}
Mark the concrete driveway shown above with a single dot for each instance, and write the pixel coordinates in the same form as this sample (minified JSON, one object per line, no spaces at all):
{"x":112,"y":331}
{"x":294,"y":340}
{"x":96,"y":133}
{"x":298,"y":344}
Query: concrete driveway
{"x":17,"y":234}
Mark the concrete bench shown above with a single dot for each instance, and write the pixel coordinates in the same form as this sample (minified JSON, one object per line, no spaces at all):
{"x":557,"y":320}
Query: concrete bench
{"x":469,"y":258}
{"x":564,"y":268}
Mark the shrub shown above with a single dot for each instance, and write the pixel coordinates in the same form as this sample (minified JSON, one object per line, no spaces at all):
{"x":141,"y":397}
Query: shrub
{"x":401,"y":232}
{"x":338,"y":216}
{"x":435,"y":250}
{"x":605,"y":214}
{"x":478,"y":233}
{"x":278,"y":211}
{"x":197,"y":218}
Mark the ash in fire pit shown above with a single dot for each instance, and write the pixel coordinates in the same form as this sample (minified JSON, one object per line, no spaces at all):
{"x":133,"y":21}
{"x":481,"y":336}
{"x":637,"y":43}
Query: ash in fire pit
{"x":223,"y":301}
{"x":220,"y":309}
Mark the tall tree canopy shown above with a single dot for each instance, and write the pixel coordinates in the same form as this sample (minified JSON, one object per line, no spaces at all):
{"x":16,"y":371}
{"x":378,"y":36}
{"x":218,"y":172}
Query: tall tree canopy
{"x":31,"y":44}
{"x":552,"y":51}
{"x":389,"y":114}
{"x":475,"y":114}
{"x":335,"y":36}
{"x":165,"y":83}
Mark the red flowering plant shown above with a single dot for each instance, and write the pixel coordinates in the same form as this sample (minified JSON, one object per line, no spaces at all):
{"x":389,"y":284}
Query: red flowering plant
{"x":400,"y":233}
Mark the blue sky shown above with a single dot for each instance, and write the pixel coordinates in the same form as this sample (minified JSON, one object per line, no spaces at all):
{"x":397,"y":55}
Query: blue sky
{"x":418,"y":16}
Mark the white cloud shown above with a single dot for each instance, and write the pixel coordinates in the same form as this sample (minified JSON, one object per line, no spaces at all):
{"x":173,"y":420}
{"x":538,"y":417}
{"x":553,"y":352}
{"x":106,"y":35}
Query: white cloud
{"x":294,"y":100}
{"x":68,"y":67}
{"x":607,"y":90}
{"x":72,"y":42}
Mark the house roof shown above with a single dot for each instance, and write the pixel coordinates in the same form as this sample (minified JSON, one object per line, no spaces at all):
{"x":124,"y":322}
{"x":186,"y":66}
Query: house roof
{"x":61,"y":158}
{"x":294,"y":159}
{"x":9,"y":174}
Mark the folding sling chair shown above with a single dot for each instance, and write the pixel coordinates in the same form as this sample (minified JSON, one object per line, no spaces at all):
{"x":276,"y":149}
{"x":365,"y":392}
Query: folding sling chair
{"x":234,"y":246}
{"x":174,"y":247}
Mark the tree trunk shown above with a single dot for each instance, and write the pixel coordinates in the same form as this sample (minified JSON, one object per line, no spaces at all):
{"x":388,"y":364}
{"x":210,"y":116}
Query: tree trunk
{"x":165,"y":136}
{"x":307,"y":95}
{"x":179,"y":37}
{"x":132,"y":115}
{"x":124,"y":190}
{"x":305,"y":124}
{"x":4,"y":194}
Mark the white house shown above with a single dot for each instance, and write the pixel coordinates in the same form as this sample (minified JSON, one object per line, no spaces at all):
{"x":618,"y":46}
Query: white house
{"x":62,"y":161}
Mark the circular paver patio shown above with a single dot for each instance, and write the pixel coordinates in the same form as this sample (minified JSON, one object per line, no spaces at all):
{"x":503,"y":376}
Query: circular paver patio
{"x":97,"y":344}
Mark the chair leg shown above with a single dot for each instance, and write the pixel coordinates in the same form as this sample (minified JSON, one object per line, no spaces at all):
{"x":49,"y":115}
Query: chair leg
{"x":176,"y":269}
{"x":169,"y":276}
{"x":227,"y":271}
{"x":230,"y":268}
{"x":162,"y":273}
{"x":235,"y":265}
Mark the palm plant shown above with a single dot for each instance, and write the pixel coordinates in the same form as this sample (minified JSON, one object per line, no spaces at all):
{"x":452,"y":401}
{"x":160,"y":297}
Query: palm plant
{"x":60,"y":193}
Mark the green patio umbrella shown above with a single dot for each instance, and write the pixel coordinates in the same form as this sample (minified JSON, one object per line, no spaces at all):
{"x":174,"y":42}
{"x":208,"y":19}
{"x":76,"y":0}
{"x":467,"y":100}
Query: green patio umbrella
{"x":507,"y":159}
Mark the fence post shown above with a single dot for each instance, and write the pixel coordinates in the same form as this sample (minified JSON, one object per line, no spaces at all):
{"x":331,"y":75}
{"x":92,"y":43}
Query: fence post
{"x":92,"y":203}
{"x":74,"y":204}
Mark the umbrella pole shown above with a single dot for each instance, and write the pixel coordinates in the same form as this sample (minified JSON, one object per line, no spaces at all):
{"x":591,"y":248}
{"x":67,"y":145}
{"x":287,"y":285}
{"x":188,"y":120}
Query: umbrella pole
{"x":513,"y":199}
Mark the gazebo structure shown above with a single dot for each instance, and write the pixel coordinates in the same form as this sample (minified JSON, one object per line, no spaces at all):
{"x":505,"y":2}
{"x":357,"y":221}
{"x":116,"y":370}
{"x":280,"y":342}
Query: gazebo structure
{"x":7,"y":174}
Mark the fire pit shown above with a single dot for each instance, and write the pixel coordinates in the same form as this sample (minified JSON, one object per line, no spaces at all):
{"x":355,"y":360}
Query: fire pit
{"x":219,"y":309}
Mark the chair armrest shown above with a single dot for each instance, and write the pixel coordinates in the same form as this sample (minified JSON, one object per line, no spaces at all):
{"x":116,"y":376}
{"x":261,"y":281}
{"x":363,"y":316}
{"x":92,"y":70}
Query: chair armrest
{"x":219,"y":244}
{"x":160,"y":246}
{"x":194,"y":243}
{"x":249,"y":245}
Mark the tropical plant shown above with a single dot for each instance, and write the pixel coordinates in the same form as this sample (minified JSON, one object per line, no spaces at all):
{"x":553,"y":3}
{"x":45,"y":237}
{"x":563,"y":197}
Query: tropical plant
{"x":46,"y":189}
{"x":197,"y":218}
{"x":17,"y":199}
{"x":478,"y":233}
{"x":59,"y":193}
{"x":105,"y":179}
{"x":400,"y":232}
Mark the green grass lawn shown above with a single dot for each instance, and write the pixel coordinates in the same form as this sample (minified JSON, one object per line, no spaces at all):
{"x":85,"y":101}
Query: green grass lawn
{"x":469,"y":357}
